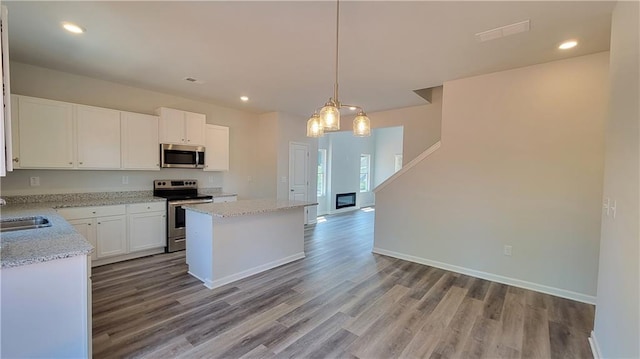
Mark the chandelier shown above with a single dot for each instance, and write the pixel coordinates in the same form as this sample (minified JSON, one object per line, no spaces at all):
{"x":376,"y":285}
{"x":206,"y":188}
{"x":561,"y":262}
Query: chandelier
{"x":327,"y":119}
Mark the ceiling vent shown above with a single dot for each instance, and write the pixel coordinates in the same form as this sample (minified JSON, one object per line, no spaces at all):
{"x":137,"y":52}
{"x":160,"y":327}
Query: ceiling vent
{"x":194,"y":80}
{"x":503,"y":31}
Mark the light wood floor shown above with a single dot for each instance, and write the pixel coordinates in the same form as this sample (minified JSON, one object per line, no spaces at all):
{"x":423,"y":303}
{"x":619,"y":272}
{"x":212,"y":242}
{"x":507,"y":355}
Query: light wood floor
{"x":341,"y":301}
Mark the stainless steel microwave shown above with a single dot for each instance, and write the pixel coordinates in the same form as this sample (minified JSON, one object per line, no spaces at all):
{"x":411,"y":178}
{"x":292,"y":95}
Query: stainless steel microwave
{"x":181,"y":156}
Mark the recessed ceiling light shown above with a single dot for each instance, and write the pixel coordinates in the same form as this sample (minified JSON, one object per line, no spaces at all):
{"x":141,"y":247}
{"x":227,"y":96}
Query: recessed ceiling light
{"x":71,"y":27}
{"x":244,"y":98}
{"x":568,"y":45}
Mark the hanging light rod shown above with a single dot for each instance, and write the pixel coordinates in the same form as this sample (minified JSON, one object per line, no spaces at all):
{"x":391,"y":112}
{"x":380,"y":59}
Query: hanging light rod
{"x":327,"y":118}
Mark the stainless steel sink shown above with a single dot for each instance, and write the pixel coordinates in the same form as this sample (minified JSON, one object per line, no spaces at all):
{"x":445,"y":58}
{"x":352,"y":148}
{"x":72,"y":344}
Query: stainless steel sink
{"x":17,"y":224}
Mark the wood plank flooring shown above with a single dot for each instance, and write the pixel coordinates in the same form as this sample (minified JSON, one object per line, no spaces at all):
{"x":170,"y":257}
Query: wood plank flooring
{"x":341,"y":301}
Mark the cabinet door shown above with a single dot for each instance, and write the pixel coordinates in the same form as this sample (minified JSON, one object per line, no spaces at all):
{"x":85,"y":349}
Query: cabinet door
{"x":140,"y":146}
{"x":45,"y":131}
{"x":171,"y":126}
{"x":147,"y":230}
{"x":216,"y":148}
{"x":98,"y":136}
{"x":194,"y":128}
{"x":86,"y":227}
{"x":111,"y":236}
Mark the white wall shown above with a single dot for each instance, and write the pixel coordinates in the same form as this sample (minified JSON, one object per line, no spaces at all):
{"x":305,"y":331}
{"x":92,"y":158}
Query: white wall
{"x":421,"y":124}
{"x":388,"y":144}
{"x":292,"y":128}
{"x":521,"y":164}
{"x":45,"y":83}
{"x":617,"y":323}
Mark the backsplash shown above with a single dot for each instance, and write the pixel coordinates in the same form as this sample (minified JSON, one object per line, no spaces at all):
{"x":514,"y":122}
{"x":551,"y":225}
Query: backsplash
{"x":88,"y":196}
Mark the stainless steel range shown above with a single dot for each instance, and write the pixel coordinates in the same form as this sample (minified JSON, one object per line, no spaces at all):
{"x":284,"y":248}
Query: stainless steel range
{"x":178,"y":193}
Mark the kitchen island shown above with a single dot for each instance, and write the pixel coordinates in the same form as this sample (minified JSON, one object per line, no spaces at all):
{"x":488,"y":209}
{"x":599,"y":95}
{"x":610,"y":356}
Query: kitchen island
{"x":230,"y":241}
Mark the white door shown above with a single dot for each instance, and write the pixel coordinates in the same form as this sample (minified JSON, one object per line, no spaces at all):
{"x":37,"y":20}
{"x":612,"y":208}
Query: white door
{"x":216,"y":148}
{"x":140,"y":141}
{"x":299,"y":173}
{"x":111,"y":236}
{"x":46,"y":133}
{"x":98,"y":135}
{"x":194,"y":128}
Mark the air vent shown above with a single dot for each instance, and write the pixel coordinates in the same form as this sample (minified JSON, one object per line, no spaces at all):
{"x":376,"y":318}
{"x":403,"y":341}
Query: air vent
{"x":194,"y":80}
{"x":503,"y":31}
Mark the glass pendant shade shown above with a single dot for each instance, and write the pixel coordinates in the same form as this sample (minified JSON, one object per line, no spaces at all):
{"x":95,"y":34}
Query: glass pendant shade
{"x":361,"y":125}
{"x":330,"y":117}
{"x":314,"y":126}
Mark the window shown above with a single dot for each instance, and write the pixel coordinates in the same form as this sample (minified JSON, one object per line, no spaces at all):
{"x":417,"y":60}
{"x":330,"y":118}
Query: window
{"x":322,"y":172}
{"x":365,"y":173}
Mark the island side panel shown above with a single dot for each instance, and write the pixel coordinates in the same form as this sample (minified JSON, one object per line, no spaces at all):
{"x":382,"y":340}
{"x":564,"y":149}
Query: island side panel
{"x":199,"y":246}
{"x":45,"y":310}
{"x":250,"y":244}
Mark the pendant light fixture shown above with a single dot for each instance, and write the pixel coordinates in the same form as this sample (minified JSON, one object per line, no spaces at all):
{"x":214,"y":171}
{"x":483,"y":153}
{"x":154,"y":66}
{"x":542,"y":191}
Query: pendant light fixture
{"x":328,"y":119}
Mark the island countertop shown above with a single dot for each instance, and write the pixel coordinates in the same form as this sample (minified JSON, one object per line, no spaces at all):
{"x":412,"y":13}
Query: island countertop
{"x":246,"y":207}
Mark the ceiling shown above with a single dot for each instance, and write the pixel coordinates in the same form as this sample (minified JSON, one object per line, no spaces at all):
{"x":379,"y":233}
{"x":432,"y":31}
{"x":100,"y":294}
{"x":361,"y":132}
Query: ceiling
{"x":281,"y":54}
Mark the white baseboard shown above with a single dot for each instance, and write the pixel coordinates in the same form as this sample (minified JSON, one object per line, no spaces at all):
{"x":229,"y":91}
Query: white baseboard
{"x":249,"y":272}
{"x":595,"y":348}
{"x":558,"y":292}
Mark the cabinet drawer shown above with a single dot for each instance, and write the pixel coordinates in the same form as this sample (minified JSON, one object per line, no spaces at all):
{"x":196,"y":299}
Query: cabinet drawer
{"x":89,"y":212}
{"x":146,"y":207}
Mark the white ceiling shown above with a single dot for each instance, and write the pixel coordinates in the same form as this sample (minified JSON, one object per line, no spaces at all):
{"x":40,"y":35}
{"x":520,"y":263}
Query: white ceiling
{"x":281,"y":54}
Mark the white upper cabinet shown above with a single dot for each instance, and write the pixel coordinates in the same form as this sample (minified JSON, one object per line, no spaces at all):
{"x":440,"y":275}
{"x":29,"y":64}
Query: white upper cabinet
{"x":194,"y":124}
{"x":98,"y":137}
{"x":140,"y":146}
{"x":216,"y":148}
{"x":45,"y":133}
{"x":181,"y":127}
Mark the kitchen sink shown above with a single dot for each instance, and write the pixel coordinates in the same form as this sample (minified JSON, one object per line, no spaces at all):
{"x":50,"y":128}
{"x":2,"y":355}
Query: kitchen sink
{"x":17,"y":224}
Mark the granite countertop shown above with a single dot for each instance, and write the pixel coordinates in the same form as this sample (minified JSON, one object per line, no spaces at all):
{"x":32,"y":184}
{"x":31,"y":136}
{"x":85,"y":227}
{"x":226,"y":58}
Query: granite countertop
{"x":42,"y":244}
{"x":246,"y":207}
{"x":61,"y":240}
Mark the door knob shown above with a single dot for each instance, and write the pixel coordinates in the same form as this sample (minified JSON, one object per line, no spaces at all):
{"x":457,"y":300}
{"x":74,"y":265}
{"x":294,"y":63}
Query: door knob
{"x":291,"y":190}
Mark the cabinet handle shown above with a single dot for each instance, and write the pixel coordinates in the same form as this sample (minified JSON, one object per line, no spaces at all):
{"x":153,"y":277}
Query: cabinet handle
{"x":88,"y":224}
{"x":70,"y":163}
{"x":80,"y":162}
{"x":94,"y":212}
{"x":99,"y":223}
{"x":16,"y":160}
{"x":148,"y":207}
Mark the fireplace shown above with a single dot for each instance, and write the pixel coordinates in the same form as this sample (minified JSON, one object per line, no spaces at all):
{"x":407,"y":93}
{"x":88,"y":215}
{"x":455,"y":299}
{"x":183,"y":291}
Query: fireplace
{"x":345,"y":200}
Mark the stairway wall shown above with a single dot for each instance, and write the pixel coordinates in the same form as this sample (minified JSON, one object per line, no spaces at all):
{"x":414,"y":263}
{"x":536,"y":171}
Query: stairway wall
{"x":521,"y":164}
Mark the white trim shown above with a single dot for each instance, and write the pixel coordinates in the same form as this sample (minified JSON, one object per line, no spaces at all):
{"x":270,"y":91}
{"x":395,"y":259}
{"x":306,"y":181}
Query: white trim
{"x":558,"y":292}
{"x":249,"y":272}
{"x":595,"y":348}
{"x":408,"y":166}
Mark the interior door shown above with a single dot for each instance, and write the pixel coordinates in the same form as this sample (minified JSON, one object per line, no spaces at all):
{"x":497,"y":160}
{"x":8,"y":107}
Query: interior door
{"x":299,"y":173}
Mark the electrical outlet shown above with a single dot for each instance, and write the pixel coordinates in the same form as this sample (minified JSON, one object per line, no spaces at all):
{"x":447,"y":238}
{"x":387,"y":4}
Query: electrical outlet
{"x":125,"y":179}
{"x":34,"y":181}
{"x":507,"y":250}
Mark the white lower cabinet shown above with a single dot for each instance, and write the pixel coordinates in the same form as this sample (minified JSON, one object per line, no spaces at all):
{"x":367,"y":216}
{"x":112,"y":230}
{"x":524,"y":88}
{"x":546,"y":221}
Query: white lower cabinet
{"x":147,"y":226}
{"x":86,"y":227}
{"x":120,"y":232}
{"x":111,"y":236}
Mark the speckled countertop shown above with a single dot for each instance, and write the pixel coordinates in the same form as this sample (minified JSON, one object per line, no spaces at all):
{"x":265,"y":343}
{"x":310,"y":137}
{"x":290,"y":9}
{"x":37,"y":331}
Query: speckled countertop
{"x":246,"y":207}
{"x":60,"y":240}
{"x":42,"y":244}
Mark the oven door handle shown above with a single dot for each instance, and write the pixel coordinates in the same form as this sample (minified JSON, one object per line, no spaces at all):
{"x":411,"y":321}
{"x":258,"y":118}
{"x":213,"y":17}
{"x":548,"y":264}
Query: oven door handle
{"x":190,"y":201}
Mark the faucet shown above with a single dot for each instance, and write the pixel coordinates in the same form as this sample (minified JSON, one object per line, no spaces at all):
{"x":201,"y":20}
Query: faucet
{"x":2,"y":202}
